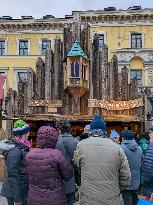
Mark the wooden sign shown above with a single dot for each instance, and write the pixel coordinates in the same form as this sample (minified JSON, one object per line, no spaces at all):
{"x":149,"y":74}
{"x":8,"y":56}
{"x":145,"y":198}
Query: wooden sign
{"x":45,"y":103}
{"x":52,"y":109}
{"x":115,"y":105}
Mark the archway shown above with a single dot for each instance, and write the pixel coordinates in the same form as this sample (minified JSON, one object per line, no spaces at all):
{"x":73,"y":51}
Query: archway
{"x":137,"y":70}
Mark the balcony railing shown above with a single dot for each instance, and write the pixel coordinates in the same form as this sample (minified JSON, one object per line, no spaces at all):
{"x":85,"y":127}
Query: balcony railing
{"x":77,"y":82}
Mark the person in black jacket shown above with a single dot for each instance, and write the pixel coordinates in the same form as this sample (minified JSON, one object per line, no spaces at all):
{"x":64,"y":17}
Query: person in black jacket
{"x":67,"y":145}
{"x":15,"y":186}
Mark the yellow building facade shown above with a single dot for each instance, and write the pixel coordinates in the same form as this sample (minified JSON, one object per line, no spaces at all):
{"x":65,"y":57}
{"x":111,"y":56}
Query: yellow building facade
{"x":115,"y":28}
{"x":127,"y":33}
{"x":22,"y":42}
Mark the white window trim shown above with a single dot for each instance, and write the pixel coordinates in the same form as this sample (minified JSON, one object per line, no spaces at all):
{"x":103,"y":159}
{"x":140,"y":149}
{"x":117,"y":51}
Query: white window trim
{"x":40,"y":44}
{"x":99,"y":32}
{"x":22,"y":39}
{"x":5,"y":70}
{"x":16,"y":70}
{"x":136,"y":32}
{"x":6,"y":44}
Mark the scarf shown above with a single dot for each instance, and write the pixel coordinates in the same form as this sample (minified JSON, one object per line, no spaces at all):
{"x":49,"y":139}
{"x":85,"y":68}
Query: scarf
{"x":23,"y":142}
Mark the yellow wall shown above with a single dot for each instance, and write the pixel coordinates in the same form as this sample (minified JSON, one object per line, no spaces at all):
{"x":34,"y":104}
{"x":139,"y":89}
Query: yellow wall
{"x":121,"y":34}
{"x":12,"y":60}
{"x":115,"y":35}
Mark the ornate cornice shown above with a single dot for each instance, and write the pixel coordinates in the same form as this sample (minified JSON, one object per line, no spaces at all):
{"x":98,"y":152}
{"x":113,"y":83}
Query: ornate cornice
{"x":34,"y":26}
{"x":92,"y":17}
{"x":116,"y":16}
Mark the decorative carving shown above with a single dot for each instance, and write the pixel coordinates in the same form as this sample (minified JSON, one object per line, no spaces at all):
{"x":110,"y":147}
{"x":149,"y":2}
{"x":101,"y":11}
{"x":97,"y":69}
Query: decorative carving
{"x":150,"y":77}
{"x":126,"y":55}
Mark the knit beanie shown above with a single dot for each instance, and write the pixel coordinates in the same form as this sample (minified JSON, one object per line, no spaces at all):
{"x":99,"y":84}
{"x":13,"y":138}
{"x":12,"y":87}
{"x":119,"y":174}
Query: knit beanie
{"x":98,"y":124}
{"x":64,"y":126}
{"x":20,"y":127}
{"x":87,"y":129}
{"x":114,"y":134}
{"x":128,"y":135}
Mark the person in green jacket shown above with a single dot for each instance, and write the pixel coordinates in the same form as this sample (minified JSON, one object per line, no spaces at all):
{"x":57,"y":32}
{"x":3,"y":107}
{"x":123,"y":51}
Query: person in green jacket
{"x":143,"y":142}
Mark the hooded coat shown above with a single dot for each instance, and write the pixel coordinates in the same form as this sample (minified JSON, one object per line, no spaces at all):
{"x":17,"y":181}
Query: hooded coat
{"x":104,"y":171}
{"x":67,"y":145}
{"x":147,"y":176}
{"x":144,"y":144}
{"x":47,"y":168}
{"x":134,"y":155}
{"x":16,"y":182}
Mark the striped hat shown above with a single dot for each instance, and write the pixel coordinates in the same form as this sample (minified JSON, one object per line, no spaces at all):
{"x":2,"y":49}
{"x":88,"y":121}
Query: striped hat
{"x":20,"y":127}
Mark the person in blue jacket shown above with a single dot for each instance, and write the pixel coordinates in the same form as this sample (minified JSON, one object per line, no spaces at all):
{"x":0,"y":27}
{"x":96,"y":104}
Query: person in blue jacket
{"x":147,"y":176}
{"x":134,"y":155}
{"x":115,"y":137}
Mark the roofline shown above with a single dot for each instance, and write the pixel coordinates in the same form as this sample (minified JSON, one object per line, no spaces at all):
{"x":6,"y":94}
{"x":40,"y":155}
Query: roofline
{"x":149,"y":10}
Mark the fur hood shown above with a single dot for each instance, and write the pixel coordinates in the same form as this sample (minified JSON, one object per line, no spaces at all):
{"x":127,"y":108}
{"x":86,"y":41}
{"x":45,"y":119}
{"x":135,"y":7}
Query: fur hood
{"x":6,"y":145}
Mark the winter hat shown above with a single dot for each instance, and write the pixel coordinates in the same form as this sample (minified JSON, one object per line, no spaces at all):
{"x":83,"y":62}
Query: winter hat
{"x":20,"y":127}
{"x":128,"y":135}
{"x":87,"y":129}
{"x":47,"y":137}
{"x":98,"y":124}
{"x":114,"y":134}
{"x":63,"y":125}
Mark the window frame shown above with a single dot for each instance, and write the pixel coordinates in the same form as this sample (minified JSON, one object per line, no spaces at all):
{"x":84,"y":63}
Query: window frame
{"x":16,"y":80}
{"x":142,"y":39}
{"x":100,"y":33}
{"x":5,"y":43}
{"x":100,"y":47}
{"x":74,"y":69}
{"x":4,"y":70}
{"x":42,"y":45}
{"x":136,"y":70}
{"x":18,"y":46}
{"x":84,"y":71}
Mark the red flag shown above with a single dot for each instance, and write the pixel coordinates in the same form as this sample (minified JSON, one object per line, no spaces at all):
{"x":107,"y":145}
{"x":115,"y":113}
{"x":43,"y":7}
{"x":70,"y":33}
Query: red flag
{"x":2,"y":80}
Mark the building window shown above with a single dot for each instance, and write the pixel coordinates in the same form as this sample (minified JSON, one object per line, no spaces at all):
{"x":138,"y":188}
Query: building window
{"x":84,"y":67}
{"x":138,"y":75}
{"x":75,"y":70}
{"x":23,"y":47}
{"x":20,"y":76}
{"x":46,"y":45}
{"x":101,"y":41}
{"x":136,"y":40}
{"x":2,"y":47}
{"x":2,"y":73}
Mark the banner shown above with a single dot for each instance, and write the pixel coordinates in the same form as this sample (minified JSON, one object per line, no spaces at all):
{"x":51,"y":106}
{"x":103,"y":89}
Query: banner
{"x":115,"y":105}
{"x":45,"y":103}
{"x":2,"y":80}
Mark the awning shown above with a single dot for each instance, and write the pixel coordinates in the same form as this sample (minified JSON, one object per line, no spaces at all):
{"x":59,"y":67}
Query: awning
{"x":2,"y":80}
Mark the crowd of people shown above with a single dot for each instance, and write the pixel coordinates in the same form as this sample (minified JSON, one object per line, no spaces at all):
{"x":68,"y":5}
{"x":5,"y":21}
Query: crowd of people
{"x":104,"y":169}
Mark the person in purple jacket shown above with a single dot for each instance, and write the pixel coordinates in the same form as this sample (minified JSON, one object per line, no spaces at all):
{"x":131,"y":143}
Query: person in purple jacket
{"x":47,"y":168}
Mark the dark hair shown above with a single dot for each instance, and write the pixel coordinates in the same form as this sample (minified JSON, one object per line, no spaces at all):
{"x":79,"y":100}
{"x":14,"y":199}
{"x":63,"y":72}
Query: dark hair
{"x":63,"y":125}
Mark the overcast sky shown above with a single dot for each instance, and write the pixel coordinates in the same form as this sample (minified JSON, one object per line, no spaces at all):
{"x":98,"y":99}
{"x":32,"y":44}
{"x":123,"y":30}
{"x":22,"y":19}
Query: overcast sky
{"x":58,"y":8}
